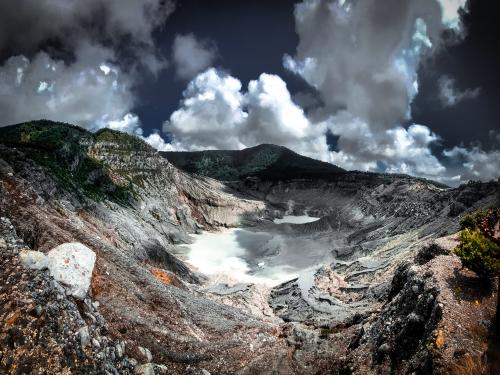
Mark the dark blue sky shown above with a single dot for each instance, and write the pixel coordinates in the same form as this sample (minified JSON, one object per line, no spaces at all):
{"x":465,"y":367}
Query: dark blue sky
{"x":251,"y":37}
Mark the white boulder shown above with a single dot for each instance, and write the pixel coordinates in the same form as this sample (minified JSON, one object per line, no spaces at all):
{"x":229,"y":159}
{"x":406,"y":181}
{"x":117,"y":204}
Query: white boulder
{"x":34,"y":260}
{"x":72,"y":264}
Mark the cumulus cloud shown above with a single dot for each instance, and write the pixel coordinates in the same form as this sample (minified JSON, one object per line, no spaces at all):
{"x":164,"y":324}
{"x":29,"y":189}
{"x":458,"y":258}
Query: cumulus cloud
{"x":274,"y":118}
{"x":450,"y":95}
{"x":89,"y":92}
{"x":191,"y":55}
{"x":156,"y":141}
{"x":211,"y":114}
{"x":395,"y":150}
{"x":77,"y":61}
{"x":476,"y":163}
{"x":217,"y":114}
{"x":361,"y":57}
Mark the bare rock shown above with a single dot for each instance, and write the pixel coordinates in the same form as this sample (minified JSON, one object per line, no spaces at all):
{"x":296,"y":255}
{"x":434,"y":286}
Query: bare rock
{"x":146,"y":354}
{"x":34,"y":260}
{"x":146,"y":369}
{"x":72,"y":264}
{"x":84,"y":336}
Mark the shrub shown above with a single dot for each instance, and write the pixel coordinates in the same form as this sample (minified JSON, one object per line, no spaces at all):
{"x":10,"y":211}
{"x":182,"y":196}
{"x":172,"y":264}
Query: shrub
{"x":471,"y":220}
{"x":478,"y":253}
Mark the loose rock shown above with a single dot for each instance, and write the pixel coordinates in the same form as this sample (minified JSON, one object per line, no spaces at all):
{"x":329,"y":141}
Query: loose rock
{"x":72,"y":264}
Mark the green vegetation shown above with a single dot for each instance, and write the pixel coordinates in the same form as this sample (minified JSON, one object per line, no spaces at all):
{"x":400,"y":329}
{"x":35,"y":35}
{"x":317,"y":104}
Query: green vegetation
{"x":61,"y":149}
{"x":221,"y":166}
{"x":42,"y":134}
{"x":472,"y":220}
{"x":129,"y":142}
{"x":261,"y":160}
{"x":217,"y":166}
{"x":478,"y":253}
{"x":479,"y":248}
{"x":268,"y":162}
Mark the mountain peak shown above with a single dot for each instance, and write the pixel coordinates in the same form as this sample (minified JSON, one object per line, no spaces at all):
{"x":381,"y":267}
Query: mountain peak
{"x":267,"y":161}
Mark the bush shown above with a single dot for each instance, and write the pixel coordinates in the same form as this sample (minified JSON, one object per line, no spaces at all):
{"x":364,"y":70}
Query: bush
{"x":478,"y":253}
{"x":471,"y":220}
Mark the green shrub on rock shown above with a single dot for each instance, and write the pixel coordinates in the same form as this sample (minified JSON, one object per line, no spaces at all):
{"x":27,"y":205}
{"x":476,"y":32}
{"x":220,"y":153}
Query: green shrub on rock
{"x":478,"y":253}
{"x":471,"y":220}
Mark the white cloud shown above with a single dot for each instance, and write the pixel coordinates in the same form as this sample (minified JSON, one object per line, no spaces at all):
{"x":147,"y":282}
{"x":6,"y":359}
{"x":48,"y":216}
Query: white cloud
{"x":92,"y":87}
{"x":81,"y":93}
{"x":362,"y":56}
{"x":397,"y":150}
{"x":129,"y":123}
{"x":211,"y":113}
{"x":191,"y":55}
{"x":216,"y":114}
{"x":156,"y":141}
{"x":274,"y":118}
{"x":450,"y":95}
{"x":476,"y":163}
{"x":450,"y":12}
{"x":102,"y":22}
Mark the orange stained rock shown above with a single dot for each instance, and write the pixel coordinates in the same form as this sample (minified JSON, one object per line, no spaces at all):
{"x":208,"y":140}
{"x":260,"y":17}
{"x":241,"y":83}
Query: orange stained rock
{"x":440,"y":339}
{"x":165,"y":277}
{"x":13,"y":318}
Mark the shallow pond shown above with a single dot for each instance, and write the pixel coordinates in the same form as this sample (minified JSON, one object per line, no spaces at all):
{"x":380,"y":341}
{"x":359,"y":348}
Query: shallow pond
{"x":252,"y":257}
{"x":303,"y":219}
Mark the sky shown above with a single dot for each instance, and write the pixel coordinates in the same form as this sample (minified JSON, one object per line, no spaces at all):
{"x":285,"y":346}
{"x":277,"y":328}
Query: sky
{"x":399,"y":86}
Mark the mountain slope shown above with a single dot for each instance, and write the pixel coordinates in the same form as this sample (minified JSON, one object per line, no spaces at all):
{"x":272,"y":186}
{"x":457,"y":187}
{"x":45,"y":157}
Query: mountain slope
{"x":133,"y":208}
{"x":265,"y":161}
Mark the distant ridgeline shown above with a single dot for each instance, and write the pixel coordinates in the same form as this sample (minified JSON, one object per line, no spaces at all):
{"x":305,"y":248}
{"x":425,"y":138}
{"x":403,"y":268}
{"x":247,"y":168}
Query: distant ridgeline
{"x":271,"y":163}
{"x":266,"y":161}
{"x":64,"y":150}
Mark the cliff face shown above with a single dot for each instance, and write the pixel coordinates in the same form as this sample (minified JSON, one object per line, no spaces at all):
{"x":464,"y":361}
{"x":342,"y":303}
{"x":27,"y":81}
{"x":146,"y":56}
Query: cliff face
{"x":132,"y":207}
